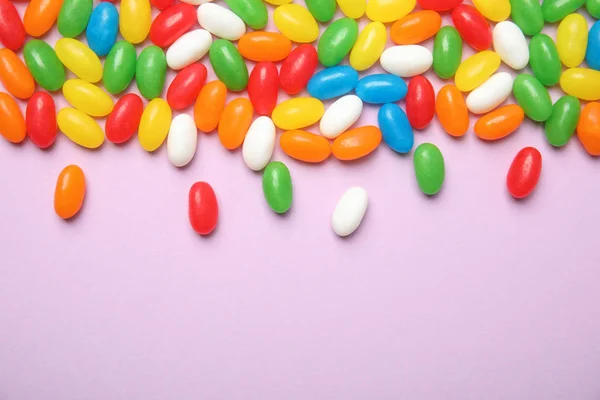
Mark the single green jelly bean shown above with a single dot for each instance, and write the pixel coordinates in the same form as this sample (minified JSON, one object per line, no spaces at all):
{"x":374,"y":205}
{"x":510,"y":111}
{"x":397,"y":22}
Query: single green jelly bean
{"x":593,"y":7}
{"x":447,"y":52}
{"x":555,"y":10}
{"x":563,"y":121}
{"x":119,"y":67}
{"x":337,"y":41}
{"x":252,"y":12}
{"x":533,"y":97}
{"x":150,"y":71}
{"x":277,"y":187}
{"x":228,"y":64}
{"x":74,"y":16}
{"x":528,"y":16}
{"x":544,"y":60}
{"x":429,"y":168}
{"x":44,"y":65}
{"x":322,"y":10}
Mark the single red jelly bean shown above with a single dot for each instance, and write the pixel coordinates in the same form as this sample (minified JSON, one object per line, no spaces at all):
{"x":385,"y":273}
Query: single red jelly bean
{"x":171,"y":23}
{"x":298,"y":68}
{"x":203,"y":208}
{"x":439,"y":5}
{"x":420,"y":102}
{"x":12,"y":31}
{"x":263,"y":87}
{"x":186,"y":86}
{"x":524,"y":173}
{"x":40,"y":120}
{"x":473,"y":27}
{"x":161,"y":4}
{"x":124,"y":120}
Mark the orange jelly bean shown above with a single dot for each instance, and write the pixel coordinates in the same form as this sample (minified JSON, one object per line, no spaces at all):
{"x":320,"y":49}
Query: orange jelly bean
{"x":70,"y":192}
{"x":12,"y":123}
{"x":15,"y":76}
{"x":356,"y":143}
{"x":452,"y":111}
{"x":264,"y":46}
{"x":588,"y":129}
{"x":40,"y":15}
{"x":305,"y":146}
{"x":500,"y":122}
{"x":209,"y":106}
{"x":416,"y":28}
{"x":235,"y":121}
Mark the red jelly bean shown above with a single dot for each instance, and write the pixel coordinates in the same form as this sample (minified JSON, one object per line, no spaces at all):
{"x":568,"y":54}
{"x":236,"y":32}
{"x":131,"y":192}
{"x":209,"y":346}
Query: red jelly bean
{"x":40,"y":120}
{"x":263,"y":87}
{"x":298,"y":68}
{"x":203,"y":208}
{"x":524,"y":173}
{"x":439,"y":5}
{"x":420,"y":102}
{"x":473,"y":27}
{"x":171,"y":23}
{"x":186,"y":86}
{"x":123,"y":122}
{"x":12,"y":31}
{"x":161,"y":4}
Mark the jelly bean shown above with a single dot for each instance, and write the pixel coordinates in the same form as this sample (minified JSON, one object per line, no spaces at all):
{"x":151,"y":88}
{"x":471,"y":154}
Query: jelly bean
{"x":40,"y":16}
{"x":209,"y":106}
{"x":228,"y":64}
{"x":349,"y":211}
{"x":452,"y":111}
{"x":582,"y":83}
{"x":499,"y":123}
{"x":337,"y":41}
{"x":135,"y":21}
{"x":592,"y":56}
{"x":79,"y":59}
{"x":277,"y":187}
{"x":511,"y":45}
{"x":572,"y":40}
{"x":305,"y":146}
{"x":476,"y":69}
{"x":430,"y":169}
{"x":544,"y":60}
{"x":263,"y":87}
{"x":369,"y":46}
{"x":188,"y":49}
{"x":439,"y":5}
{"x":356,"y":143}
{"x":220,"y":21}
{"x":381,"y":89}
{"x":555,"y":10}
{"x":278,"y":2}
{"x":420,"y":102}
{"x":295,"y":22}
{"x":588,"y":128}
{"x":12,"y":123}
{"x":416,"y":28}
{"x":562,"y":123}
{"x":203,"y":208}
{"x":322,"y":10}
{"x":406,"y":61}
{"x":40,"y":120}
{"x":182,"y":140}
{"x":150,"y":72}
{"x":162,"y":4}
{"x":494,"y":10}
{"x":186,"y":86}
{"x":74,"y":16}
{"x":124,"y":120}
{"x":473,"y":27}
{"x":102,"y":29}
{"x":259,"y":143}
{"x":490,"y":94}
{"x":340,"y":116}
{"x":88,"y":98}
{"x":70,"y":192}
{"x":332,"y":82}
{"x":44,"y":65}
{"x":533,"y":97}
{"x":14,"y":75}
{"x":119,"y":67}
{"x":528,"y":16}
{"x":80,"y":128}
{"x":447,"y":52}
{"x":252,"y":12}
{"x":298,"y":68}
{"x":389,"y":10}
{"x":154,"y":125}
{"x":395,"y":128}
{"x":235,"y":122}
{"x":297,"y":113}
{"x":12,"y":31}
{"x":593,"y":7}
{"x":353,"y":8}
{"x":524,"y":173}
{"x":264,"y":46}
{"x":171,"y":23}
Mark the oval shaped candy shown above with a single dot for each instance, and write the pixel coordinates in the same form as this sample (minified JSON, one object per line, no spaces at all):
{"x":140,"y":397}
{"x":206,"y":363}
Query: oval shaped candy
{"x":12,"y":31}
{"x":452,"y":111}
{"x":44,"y":65}
{"x":87,"y":97}
{"x":420,"y":102}
{"x":543,"y":59}
{"x":182,"y":140}
{"x":340,"y":116}
{"x":439,"y":5}
{"x":592,"y":56}
{"x":150,"y":72}
{"x":40,"y":16}
{"x":228,"y":64}
{"x":69,"y":192}
{"x":264,"y":46}
{"x":588,"y":128}
{"x":263,"y":87}
{"x":593,"y":7}
{"x":171,"y":23}
{"x":406,"y":61}
{"x":353,"y":8}
{"x":203,"y":208}
{"x":253,"y":12}
{"x":188,"y":49}
{"x":369,"y":46}
{"x":528,"y":16}
{"x":40,"y":120}
{"x":12,"y":123}
{"x":389,"y":10}
{"x":524,"y":173}
{"x":79,"y":59}
{"x":490,"y":94}
{"x":186,"y":86}
{"x":337,"y":41}
{"x":381,"y":89}
{"x":395,"y":128}
{"x":101,"y":31}
{"x":356,"y":143}
{"x":349,"y":211}
{"x":430,"y":169}
{"x":511,"y":45}
{"x":555,"y":10}
{"x":473,"y":27}
{"x":332,"y":82}
{"x":305,"y":146}
{"x":447,"y":52}
{"x":209,"y":106}
{"x":533,"y":97}
{"x":322,"y":10}
{"x":297,"y":113}
{"x":15,"y":76}
{"x":162,"y":4}
{"x":235,"y":122}
{"x":296,"y":22}
{"x":124,"y":120}
{"x":476,"y":69}
{"x":416,"y":27}
{"x":582,"y":83}
{"x":154,"y":125}
{"x":277,"y":187}
{"x":572,"y":40}
{"x":298,"y":68}
{"x":494,"y":10}
{"x":563,"y":121}
{"x":220,"y":21}
{"x":135,"y":20}
{"x":499,"y":123}
{"x":73,"y":17}
{"x":80,"y":128}
{"x":119,"y":67}
{"x":259,"y":143}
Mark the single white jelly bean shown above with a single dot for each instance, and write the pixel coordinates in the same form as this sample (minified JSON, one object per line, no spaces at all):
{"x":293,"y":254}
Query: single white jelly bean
{"x":259,"y":143}
{"x":511,"y":45}
{"x":340,"y":116}
{"x":406,"y":61}
{"x":220,"y":21}
{"x":188,"y":49}
{"x":490,"y":94}
{"x":182,"y":140}
{"x":349,"y":211}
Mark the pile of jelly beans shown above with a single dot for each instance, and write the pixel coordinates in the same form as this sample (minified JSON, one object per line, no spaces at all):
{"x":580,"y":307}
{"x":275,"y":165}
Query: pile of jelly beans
{"x":98,"y":46}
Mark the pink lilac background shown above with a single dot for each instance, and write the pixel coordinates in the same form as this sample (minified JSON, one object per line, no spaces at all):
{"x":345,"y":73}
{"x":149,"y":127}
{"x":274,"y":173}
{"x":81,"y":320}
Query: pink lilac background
{"x":466,"y":295}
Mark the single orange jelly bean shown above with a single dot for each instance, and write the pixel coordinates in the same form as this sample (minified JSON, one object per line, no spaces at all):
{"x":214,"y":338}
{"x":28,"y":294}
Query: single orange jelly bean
{"x":264,"y":46}
{"x":356,"y":143}
{"x":499,"y":123}
{"x":209,"y":106}
{"x":70,"y":192}
{"x":452,"y":111}
{"x":416,"y":28}
{"x":12,"y":123}
{"x":305,"y":146}
{"x":15,"y":76}
{"x":588,"y":128}
{"x":40,"y":15}
{"x":235,"y":121}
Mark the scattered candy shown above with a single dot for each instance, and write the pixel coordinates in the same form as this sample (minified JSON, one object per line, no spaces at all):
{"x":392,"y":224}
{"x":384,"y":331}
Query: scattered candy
{"x":189,"y":48}
{"x":101,"y":31}
{"x":295,"y":22}
{"x":369,"y":46}
{"x":381,"y":89}
{"x":74,"y":16}
{"x":40,"y":16}
{"x":135,"y":20}
{"x":298,"y":68}
{"x":524,"y":173}
{"x":220,"y":21}
{"x":70,"y":192}
{"x":277,"y":187}
{"x":337,"y":41}
{"x":511,"y":45}
{"x":305,"y":146}
{"x":235,"y":122}
{"x":563,"y":121}
{"x":533,"y":97}
{"x":40,"y":119}
{"x":356,"y":143}
{"x":264,"y":46}
{"x":430,"y":169}
{"x":297,"y":113}
{"x":203,"y":208}
{"x":88,"y":98}
{"x":228,"y":64}
{"x":572,"y":41}
{"x":80,"y":128}
{"x":44,"y":65}
{"x":490,"y":94}
{"x":263,"y":87}
{"x":150,"y":72}
{"x":15,"y":76}
{"x":259,"y":143}
{"x":416,"y":28}
{"x":582,"y":83}
{"x":340,"y":116}
{"x":499,"y":123}
{"x":349,"y":211}
{"x":182,"y":140}
{"x":12,"y":123}
{"x":395,"y":128}
{"x":420,"y":102}
{"x":452,"y":111}
{"x":332,"y":82}
{"x":588,"y":128}
{"x":124,"y":120}
{"x":184,"y":89}
{"x":209,"y":106}
{"x":171,"y":23}
{"x":154,"y":125}
{"x":447,"y":52}
{"x":544,"y":59}
{"x":406,"y":61}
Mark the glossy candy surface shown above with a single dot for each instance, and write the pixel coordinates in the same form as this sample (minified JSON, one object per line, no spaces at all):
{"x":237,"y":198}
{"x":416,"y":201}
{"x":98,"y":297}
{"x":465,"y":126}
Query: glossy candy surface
{"x":582,"y":83}
{"x":473,"y":27}
{"x":555,"y":10}
{"x":332,"y":82}
{"x":124,"y":120}
{"x":277,"y":187}
{"x":253,"y":12}
{"x":298,"y":113}
{"x":135,"y":20}
{"x":416,"y":28}
{"x":12,"y":123}
{"x":297,"y":69}
{"x":263,"y":87}
{"x":235,"y":121}
{"x":524,"y":173}
{"x":349,"y":211}
{"x":340,"y":116}
{"x":73,"y":17}
{"x":563,"y":121}
{"x":452,"y":111}
{"x":14,"y":75}
{"x":337,"y":41}
{"x":447,"y":52}
{"x":305,"y":146}
{"x":150,"y":72}
{"x":533,"y":97}
{"x":188,"y":49}
{"x":406,"y":61}
{"x":259,"y":143}
{"x":228,"y":64}
{"x":203,"y":208}
{"x":592,"y":56}
{"x":69,"y":192}
{"x":119,"y":67}
{"x":264,"y":46}
{"x":12,"y":31}
{"x":395,"y":128}
{"x":87,"y":97}
{"x":528,"y":16}
{"x":389,"y":10}
{"x":356,"y":143}
{"x":154,"y":125}
{"x":420,"y":102}
{"x":476,"y":69}
{"x":430,"y":169}
{"x":40,"y":119}
{"x":544,"y":60}
{"x":511,"y":45}
{"x":296,"y":22}
{"x":79,"y":59}
{"x":494,"y":10}
{"x":186,"y":86}
{"x":209,"y":106}
{"x":381,"y":89}
{"x":171,"y":23}
{"x":369,"y":46}
{"x":593,"y":7}
{"x":220,"y":21}
{"x":588,"y":128}
{"x":353,"y":8}
{"x":182,"y":140}
{"x":40,"y":16}
{"x":80,"y":128}
{"x":491,"y":93}
{"x":322,"y":10}
{"x":572,"y":40}
{"x":44,"y":65}
{"x":439,"y":5}
{"x":102,"y":29}
{"x":499,"y":123}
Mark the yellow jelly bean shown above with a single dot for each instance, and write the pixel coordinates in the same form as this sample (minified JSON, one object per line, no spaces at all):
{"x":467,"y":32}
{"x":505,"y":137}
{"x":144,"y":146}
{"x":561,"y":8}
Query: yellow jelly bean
{"x":87,"y":98}
{"x":494,"y":10}
{"x":297,"y":23}
{"x":80,"y":128}
{"x":571,"y":40}
{"x":389,"y":10}
{"x":353,"y":8}
{"x":278,"y":2}
{"x":582,"y":83}
{"x":476,"y":69}
{"x":369,"y":46}
{"x":155,"y":124}
{"x":134,"y":20}
{"x":79,"y":59}
{"x":298,"y":113}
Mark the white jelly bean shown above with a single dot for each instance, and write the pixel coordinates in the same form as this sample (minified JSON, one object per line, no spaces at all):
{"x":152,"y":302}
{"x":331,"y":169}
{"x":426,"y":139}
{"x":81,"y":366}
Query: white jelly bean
{"x":182,"y":140}
{"x":220,"y":21}
{"x":259,"y":143}
{"x":340,"y":116}
{"x":188,"y":49}
{"x":490,"y":94}
{"x":349,"y":211}
{"x":406,"y":61}
{"x":511,"y":45}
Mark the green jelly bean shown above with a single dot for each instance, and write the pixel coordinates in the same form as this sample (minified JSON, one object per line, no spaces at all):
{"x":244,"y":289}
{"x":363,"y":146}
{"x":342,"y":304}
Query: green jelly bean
{"x":252,"y":12}
{"x":563,"y":121}
{"x":447,"y":52}
{"x":544,"y":59}
{"x":74,"y":16}
{"x":533,"y":97}
{"x":528,"y":16}
{"x":228,"y":64}
{"x":119,"y":67}
{"x":277,"y":187}
{"x":322,"y":10}
{"x":593,"y":7}
{"x":555,"y":10}
{"x":44,"y":65}
{"x":429,"y":168}
{"x":337,"y":41}
{"x":150,"y":71}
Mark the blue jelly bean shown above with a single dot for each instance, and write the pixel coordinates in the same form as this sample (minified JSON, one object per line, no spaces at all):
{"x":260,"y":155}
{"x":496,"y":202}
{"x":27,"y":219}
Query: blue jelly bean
{"x":332,"y":82}
{"x":395,"y":128}
{"x":592,"y":55}
{"x":381,"y":89}
{"x":102,"y":29}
